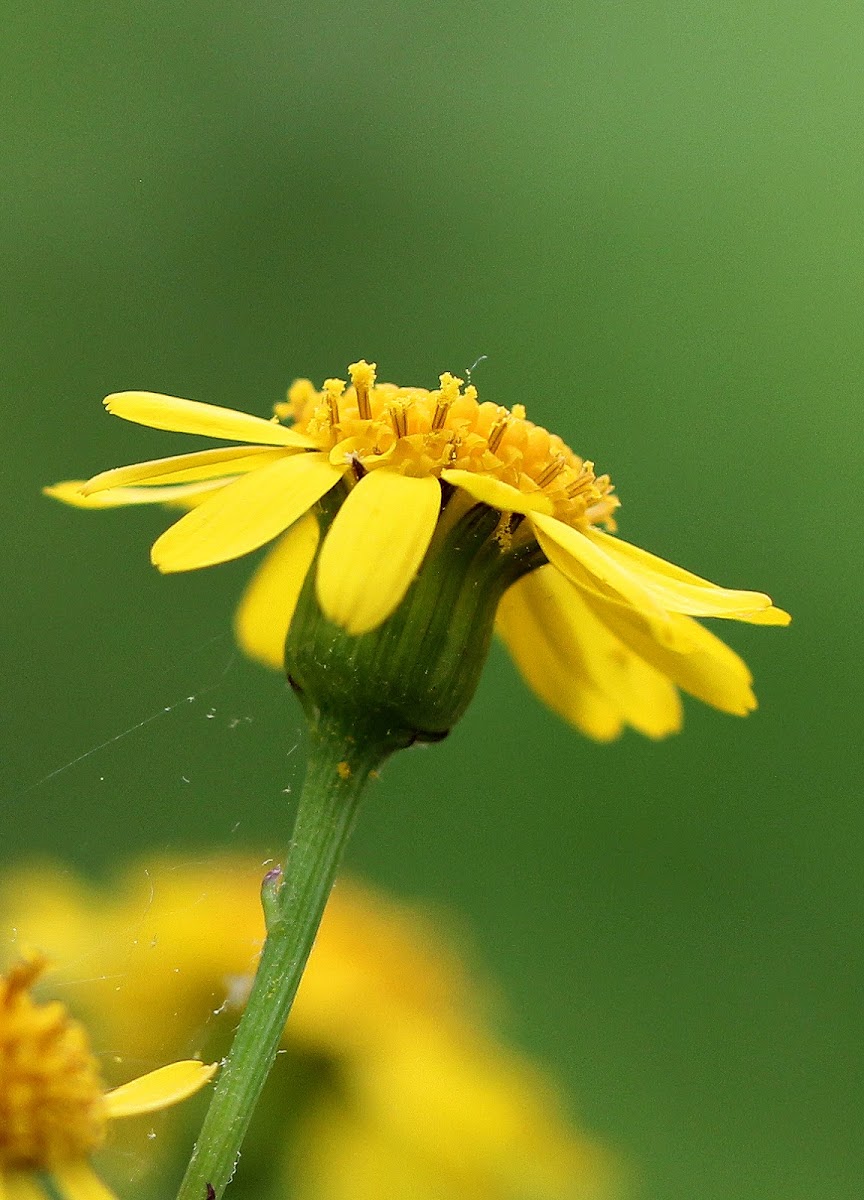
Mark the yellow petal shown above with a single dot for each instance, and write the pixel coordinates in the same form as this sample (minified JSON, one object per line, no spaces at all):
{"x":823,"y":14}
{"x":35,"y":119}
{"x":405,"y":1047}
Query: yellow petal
{"x":578,"y":666}
{"x":375,"y":546}
{"x":245,"y":514}
{"x":159,"y":1089}
{"x":766,"y":616}
{"x":701,"y":665}
{"x":680,"y":591}
{"x":184,"y":468}
{"x":556,"y":678}
{"x":265,"y":611}
{"x":184,"y":493}
{"x":190,"y":416}
{"x":586,"y":565}
{"x":497,"y":494}
{"x":78,"y":1181}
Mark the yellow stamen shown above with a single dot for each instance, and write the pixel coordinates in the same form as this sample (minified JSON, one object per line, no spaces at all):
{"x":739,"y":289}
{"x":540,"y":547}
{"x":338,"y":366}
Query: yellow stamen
{"x":333,"y":389}
{"x":583,"y":481}
{"x":398,"y":412}
{"x":442,"y":407}
{"x":498,"y":430}
{"x":554,"y":469}
{"x":363,"y":378}
{"x":450,"y":386}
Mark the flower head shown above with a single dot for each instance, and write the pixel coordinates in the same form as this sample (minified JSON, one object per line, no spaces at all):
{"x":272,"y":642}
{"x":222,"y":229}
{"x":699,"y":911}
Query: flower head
{"x":53,"y":1107}
{"x":392,"y":1082}
{"x":365,"y":486}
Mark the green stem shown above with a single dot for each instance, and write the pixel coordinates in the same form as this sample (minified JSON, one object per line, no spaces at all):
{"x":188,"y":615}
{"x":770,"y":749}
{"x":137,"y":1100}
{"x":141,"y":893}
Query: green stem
{"x":336,"y":774}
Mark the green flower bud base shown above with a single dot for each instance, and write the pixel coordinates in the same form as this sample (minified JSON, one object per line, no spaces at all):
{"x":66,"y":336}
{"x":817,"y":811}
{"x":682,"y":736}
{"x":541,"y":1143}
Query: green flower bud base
{"x":412,"y":678}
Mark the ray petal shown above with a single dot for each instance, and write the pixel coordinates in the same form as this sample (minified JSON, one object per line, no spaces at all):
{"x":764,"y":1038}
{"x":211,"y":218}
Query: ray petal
{"x":186,"y":468}
{"x":265,"y":611}
{"x":578,"y":666}
{"x":496,"y":493}
{"x":183,"y":494}
{"x":245,"y":514}
{"x":586,"y":565}
{"x":693,"y":658}
{"x":680,"y":591}
{"x":210,"y":420}
{"x":159,"y":1089}
{"x":375,"y":546}
{"x":550,"y":671}
{"x":765,"y":616}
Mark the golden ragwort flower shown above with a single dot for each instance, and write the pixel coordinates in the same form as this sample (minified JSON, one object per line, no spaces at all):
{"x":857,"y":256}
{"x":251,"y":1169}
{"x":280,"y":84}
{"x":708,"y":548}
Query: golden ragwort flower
{"x":411,"y":1094}
{"x":600,"y":629}
{"x":53,"y":1107}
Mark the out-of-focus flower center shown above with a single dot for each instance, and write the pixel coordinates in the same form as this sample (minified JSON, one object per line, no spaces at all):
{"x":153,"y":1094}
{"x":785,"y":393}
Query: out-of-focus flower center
{"x":420,"y":432}
{"x":51,"y":1104}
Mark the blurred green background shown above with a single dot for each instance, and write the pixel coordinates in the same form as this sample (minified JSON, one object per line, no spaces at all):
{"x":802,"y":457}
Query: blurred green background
{"x":648,"y":216}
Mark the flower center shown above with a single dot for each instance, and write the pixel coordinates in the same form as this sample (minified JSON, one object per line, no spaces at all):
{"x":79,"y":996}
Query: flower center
{"x":51,"y":1106}
{"x":420,"y":432}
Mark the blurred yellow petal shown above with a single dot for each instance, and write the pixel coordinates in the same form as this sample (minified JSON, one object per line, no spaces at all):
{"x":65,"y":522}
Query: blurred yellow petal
{"x":245,"y":514}
{"x":680,"y":591}
{"x":78,"y":1181}
{"x":185,"y":468}
{"x":703,"y":666}
{"x":484,"y":1118}
{"x":267,"y":606}
{"x":184,"y":493}
{"x":159,"y":1089}
{"x":497,"y":494}
{"x":191,"y":416}
{"x":19,"y":1186}
{"x":584,"y":563}
{"x":342,"y":1156}
{"x":420,"y":1099}
{"x":375,"y":546}
{"x":578,"y":666}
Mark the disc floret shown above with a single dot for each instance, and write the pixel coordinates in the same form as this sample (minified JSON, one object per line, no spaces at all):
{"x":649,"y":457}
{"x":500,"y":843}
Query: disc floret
{"x":420,"y":432}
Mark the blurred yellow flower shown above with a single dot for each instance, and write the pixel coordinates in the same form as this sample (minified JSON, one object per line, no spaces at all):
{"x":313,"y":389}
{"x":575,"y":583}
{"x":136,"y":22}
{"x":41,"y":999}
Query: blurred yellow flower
{"x":53,"y":1107}
{"x":601,"y":630}
{"x":413,"y":1096}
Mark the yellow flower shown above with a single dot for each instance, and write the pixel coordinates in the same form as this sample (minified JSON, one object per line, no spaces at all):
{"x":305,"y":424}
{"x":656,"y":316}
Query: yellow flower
{"x":408,"y":1092}
{"x":53,"y":1107}
{"x":601,"y":630}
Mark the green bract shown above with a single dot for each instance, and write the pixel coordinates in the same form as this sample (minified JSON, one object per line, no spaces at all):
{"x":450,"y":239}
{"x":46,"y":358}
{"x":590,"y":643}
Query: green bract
{"x":412,"y":677}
